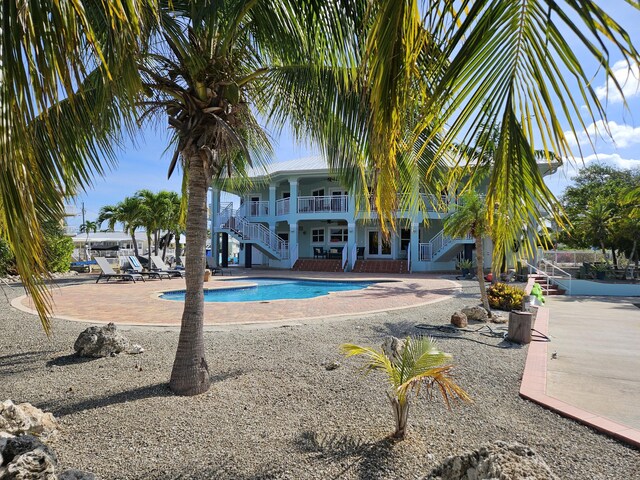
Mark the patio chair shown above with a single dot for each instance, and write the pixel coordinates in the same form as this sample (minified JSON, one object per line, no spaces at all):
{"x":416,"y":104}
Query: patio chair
{"x":108,"y":272}
{"x":136,"y":267}
{"x":360,"y":252}
{"x":211,"y":265}
{"x":319,"y":252}
{"x":160,"y":266}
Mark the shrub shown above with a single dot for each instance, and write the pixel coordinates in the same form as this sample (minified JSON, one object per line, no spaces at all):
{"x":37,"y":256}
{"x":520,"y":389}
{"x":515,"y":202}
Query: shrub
{"x":59,"y":249}
{"x":505,"y":297}
{"x":7,"y":262}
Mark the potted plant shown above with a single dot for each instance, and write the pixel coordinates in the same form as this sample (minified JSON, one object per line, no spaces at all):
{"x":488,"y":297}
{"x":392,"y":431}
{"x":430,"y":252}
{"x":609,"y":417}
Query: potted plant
{"x":465,"y":266}
{"x":600,"y":269}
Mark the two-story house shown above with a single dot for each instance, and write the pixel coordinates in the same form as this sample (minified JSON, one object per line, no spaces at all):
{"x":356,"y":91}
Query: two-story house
{"x":300,"y":217}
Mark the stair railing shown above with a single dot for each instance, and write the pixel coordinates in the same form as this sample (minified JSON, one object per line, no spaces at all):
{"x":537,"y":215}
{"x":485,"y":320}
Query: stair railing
{"x":409,"y":258}
{"x":557,"y":272}
{"x":230,"y":219}
{"x":537,"y":271}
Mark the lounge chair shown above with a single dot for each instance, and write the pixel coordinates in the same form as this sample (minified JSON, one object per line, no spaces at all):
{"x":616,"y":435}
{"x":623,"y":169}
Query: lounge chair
{"x":211,"y":265}
{"x":160,"y":266}
{"x":108,"y":272}
{"x":136,"y":267}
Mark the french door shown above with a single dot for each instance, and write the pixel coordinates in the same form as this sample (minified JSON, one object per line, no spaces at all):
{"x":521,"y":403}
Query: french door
{"x":377,"y":245}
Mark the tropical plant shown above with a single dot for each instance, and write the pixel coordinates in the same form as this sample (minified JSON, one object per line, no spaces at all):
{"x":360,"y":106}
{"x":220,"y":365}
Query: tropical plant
{"x":471,"y":218}
{"x":410,"y":365}
{"x":87,"y":227}
{"x":465,"y":264}
{"x":127,"y":212}
{"x":68,"y":90}
{"x":505,"y":297}
{"x":596,"y":223}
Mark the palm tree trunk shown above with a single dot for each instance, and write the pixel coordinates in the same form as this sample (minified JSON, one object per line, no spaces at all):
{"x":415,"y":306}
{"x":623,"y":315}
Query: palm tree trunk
{"x":480,"y":274}
{"x":614,"y":258}
{"x":190,"y":374}
{"x":178,"y":249}
{"x":155,"y":242}
{"x":401,"y":416}
{"x":149,"y":247}
{"x":135,"y":243}
{"x":167,"y":239}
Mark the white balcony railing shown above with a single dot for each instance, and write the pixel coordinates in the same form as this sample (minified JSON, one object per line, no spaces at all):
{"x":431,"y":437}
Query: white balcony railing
{"x":424,"y":252}
{"x":324,"y":204}
{"x":283,"y":206}
{"x":256,"y":209}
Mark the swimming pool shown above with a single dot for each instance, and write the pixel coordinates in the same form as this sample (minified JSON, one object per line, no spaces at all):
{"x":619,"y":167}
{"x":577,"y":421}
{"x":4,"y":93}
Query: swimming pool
{"x":267,"y":289}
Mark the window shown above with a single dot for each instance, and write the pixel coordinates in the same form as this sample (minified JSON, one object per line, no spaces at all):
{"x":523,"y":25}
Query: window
{"x":317,"y":235}
{"x":338,"y":235}
{"x":318,"y":193}
{"x":405,"y":238}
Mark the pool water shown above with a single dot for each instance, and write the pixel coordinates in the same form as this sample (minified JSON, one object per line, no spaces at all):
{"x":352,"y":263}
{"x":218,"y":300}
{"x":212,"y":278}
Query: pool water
{"x":267,"y":289}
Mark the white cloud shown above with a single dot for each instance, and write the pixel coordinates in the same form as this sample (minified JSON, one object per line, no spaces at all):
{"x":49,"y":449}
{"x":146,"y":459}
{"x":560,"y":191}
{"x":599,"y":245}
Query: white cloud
{"x":629,"y":79}
{"x":621,"y":136}
{"x":560,"y":180}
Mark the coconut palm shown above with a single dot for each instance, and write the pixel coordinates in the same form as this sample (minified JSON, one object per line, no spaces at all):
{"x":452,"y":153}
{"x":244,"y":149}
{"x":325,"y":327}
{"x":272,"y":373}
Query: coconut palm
{"x":410,"y":365}
{"x":596,"y":223}
{"x":472,"y":218}
{"x":471,"y":65}
{"x":69,"y":81}
{"x":209,"y":73}
{"x":128,"y":212}
{"x":87,"y":227}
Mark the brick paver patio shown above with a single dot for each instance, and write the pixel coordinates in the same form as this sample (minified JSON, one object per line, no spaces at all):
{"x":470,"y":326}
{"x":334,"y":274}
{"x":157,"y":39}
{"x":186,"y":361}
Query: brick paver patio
{"x":138,"y":304}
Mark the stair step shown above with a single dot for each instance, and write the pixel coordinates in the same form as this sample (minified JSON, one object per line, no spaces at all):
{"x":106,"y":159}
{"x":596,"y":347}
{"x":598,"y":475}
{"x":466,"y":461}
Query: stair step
{"x":381,"y":266}
{"x":317,"y":265}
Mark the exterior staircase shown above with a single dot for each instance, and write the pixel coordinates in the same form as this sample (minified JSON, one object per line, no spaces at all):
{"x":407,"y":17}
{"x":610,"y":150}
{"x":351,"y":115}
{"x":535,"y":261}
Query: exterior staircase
{"x":381,"y":266}
{"x":317,"y":265}
{"x":443,"y":247}
{"x":232,"y":222}
{"x":547,"y":289}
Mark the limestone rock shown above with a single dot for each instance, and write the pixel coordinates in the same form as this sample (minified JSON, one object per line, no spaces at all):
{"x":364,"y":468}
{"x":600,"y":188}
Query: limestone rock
{"x":27,"y":458}
{"x":100,"y":342}
{"x":4,"y":438}
{"x":476,"y":313}
{"x":498,"y":461}
{"x":495,"y":318}
{"x":459,"y":319}
{"x":76,"y":475}
{"x":27,"y":419}
{"x":333,"y":365}
{"x":135,"y":349}
{"x":393,"y":347}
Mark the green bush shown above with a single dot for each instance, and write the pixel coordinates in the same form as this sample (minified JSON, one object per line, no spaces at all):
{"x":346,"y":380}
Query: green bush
{"x":59,"y":249}
{"x":7,"y":261}
{"x":505,"y":297}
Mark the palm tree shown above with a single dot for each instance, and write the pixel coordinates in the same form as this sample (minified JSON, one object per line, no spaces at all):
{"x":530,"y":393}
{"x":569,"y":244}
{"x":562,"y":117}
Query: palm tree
{"x":443,"y":71}
{"x":69,"y":80}
{"x":596,"y":223}
{"x":154,"y":207}
{"x":211,"y":73}
{"x":128,"y":213}
{"x":172,"y":222}
{"x":87,"y":227}
{"x":472,"y":218}
{"x":413,"y":364}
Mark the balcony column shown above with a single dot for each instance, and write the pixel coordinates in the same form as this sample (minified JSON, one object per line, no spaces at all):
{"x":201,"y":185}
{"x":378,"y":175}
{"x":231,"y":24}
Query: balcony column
{"x":414,"y":245}
{"x":351,"y":242}
{"x":293,"y":193}
{"x":272,"y":200}
{"x":215,"y":211}
{"x":293,"y":236}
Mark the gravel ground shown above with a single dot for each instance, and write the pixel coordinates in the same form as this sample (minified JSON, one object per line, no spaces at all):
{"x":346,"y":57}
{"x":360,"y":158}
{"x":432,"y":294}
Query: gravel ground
{"x":275,"y":412}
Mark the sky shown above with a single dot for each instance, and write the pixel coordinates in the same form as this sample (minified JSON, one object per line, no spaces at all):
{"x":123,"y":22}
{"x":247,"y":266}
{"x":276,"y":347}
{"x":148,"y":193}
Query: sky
{"x":144,"y":163}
